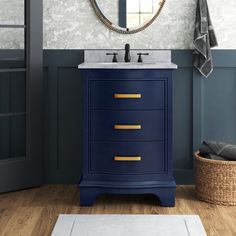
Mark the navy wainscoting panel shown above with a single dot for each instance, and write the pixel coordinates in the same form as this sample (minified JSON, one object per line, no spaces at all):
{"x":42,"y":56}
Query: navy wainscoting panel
{"x":182,"y":116}
{"x":203,"y":109}
{"x":62,"y":116}
{"x":219,"y":107}
{"x":216,"y":112}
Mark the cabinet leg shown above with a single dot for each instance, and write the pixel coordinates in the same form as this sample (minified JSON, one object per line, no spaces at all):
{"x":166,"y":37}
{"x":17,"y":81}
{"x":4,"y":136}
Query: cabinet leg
{"x":87,"y":197}
{"x":167,"y":197}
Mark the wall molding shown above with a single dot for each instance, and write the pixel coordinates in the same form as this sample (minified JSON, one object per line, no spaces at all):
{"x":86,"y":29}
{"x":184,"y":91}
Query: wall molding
{"x":63,"y":111}
{"x":183,"y":58}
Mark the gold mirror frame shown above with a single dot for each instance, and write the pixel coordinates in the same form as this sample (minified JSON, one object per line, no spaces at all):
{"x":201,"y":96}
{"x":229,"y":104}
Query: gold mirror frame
{"x":121,"y":30}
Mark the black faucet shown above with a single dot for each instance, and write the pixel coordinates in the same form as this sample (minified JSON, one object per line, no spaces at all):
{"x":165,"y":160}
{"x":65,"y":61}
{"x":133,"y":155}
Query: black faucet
{"x":127,"y":53}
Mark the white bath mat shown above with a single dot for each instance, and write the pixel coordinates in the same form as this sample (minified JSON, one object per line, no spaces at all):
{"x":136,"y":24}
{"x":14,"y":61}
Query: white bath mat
{"x":128,"y":225}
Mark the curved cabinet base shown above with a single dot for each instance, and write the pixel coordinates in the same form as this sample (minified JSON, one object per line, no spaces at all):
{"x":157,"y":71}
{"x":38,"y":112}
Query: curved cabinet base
{"x":165,"y":191}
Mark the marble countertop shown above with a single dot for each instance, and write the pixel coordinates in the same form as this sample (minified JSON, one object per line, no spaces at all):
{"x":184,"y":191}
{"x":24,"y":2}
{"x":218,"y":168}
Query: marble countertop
{"x":98,"y":59}
{"x":123,"y":65}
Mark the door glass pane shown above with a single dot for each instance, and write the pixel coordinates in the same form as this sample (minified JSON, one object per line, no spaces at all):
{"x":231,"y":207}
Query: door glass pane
{"x":12,"y":48}
{"x":11,"y":12}
{"x":12,"y":38}
{"x":12,"y":137}
{"x":12,"y":92}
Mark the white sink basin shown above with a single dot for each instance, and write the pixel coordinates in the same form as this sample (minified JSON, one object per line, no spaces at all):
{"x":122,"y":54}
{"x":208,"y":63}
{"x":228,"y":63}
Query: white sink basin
{"x":128,"y":65}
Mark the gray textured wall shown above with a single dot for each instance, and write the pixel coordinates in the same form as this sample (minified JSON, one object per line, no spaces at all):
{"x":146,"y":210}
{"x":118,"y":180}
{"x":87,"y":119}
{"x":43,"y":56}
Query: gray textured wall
{"x":72,"y":24}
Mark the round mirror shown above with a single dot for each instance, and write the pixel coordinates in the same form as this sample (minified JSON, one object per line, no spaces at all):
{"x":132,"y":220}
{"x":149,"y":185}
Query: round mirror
{"x":127,"y":16}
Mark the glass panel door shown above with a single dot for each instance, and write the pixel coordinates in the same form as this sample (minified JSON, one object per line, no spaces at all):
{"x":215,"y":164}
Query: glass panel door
{"x":13,"y":83}
{"x":21,"y":88}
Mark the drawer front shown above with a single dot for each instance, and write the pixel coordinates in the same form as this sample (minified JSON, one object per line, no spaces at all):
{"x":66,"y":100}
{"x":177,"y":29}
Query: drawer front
{"x":127,"y":125}
{"x":128,"y":94}
{"x":127,"y":157}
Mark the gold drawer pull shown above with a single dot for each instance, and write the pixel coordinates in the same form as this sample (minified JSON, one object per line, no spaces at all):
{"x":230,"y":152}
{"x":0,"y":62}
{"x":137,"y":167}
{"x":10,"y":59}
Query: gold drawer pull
{"x":118,"y":158}
{"x":126,"y":95}
{"x":127,"y":127}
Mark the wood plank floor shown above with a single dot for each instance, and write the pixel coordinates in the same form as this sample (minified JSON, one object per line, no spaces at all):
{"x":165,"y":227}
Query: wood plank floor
{"x":34,"y":212}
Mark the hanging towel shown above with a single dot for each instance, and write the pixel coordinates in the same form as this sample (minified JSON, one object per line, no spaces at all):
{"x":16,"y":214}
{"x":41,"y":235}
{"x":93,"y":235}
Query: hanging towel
{"x":204,"y":39}
{"x":222,"y":150}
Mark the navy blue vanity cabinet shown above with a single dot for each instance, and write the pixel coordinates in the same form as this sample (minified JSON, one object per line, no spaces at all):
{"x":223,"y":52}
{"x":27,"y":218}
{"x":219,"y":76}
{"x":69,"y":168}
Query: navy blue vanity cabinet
{"x":127,"y":134}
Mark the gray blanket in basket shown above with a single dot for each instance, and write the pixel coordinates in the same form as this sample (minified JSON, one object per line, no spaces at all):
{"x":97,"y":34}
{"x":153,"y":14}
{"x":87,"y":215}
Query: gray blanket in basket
{"x":218,"y":150}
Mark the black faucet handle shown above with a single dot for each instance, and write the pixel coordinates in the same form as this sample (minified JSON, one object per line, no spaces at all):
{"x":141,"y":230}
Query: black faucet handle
{"x":114,"y":54}
{"x":140,"y":59}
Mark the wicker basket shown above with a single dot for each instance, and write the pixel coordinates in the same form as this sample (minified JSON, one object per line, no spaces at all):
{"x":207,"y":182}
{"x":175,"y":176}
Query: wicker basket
{"x":215,"y":180}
